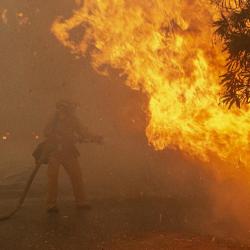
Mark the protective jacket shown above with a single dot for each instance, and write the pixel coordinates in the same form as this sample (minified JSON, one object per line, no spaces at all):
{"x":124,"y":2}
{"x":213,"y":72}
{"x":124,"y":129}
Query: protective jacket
{"x":64,"y":134}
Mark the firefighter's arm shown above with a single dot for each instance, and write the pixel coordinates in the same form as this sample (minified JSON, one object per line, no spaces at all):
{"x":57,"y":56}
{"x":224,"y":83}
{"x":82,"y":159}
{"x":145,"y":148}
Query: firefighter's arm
{"x":86,"y":136}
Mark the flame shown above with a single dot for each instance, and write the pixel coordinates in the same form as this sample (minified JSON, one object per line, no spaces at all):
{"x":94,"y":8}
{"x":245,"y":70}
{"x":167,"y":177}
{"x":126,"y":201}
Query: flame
{"x":4,"y":137}
{"x":35,"y":136}
{"x":22,"y":19}
{"x":166,"y":50}
{"x":3,"y":15}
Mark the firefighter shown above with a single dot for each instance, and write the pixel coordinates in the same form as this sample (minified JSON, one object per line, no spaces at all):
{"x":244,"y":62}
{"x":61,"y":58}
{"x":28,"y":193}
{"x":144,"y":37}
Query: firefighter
{"x":64,"y":131}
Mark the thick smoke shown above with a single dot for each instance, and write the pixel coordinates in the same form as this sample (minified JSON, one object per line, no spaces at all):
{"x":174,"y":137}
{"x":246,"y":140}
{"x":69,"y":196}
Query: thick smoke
{"x":36,"y":71}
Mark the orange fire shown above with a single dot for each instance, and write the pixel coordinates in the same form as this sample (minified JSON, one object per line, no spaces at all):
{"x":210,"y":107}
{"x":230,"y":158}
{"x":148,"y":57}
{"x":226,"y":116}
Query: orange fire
{"x":167,"y":50}
{"x":3,"y":16}
{"x":22,"y":19}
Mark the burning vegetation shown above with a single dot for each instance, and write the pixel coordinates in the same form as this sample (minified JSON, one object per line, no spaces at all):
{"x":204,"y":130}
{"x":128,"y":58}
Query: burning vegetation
{"x":167,"y":51}
{"x":234,"y":29}
{"x":180,"y":57}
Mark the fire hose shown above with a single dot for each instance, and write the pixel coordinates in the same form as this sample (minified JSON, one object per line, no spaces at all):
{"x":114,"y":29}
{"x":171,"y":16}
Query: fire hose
{"x":24,"y":194}
{"x":41,"y":155}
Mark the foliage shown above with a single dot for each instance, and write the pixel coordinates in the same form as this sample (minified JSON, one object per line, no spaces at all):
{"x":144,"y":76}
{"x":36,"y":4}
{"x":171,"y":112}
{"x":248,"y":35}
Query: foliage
{"x":233,"y":28}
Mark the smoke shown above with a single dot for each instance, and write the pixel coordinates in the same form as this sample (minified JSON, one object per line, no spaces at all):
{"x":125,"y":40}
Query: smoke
{"x":36,"y":71}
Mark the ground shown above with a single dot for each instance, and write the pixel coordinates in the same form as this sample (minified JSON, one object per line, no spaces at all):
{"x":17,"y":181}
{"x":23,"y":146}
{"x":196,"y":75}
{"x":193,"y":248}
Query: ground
{"x":130,"y":224}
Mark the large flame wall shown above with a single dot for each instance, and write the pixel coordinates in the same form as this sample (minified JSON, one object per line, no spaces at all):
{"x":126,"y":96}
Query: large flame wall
{"x":166,"y":49}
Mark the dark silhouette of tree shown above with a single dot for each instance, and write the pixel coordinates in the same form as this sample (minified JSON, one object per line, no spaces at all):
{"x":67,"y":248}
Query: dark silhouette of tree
{"x":233,"y":28}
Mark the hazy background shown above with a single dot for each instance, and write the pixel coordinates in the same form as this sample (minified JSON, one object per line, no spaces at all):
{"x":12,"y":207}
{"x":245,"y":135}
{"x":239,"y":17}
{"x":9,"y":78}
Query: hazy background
{"x":36,"y":71}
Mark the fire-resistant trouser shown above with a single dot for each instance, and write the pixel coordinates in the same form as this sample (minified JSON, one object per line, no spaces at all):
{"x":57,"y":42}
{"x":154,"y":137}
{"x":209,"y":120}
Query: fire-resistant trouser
{"x":72,"y":167}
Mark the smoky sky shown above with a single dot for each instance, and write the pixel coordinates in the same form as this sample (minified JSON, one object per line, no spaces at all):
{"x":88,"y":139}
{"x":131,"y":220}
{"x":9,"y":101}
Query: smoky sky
{"x":37,"y":71}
